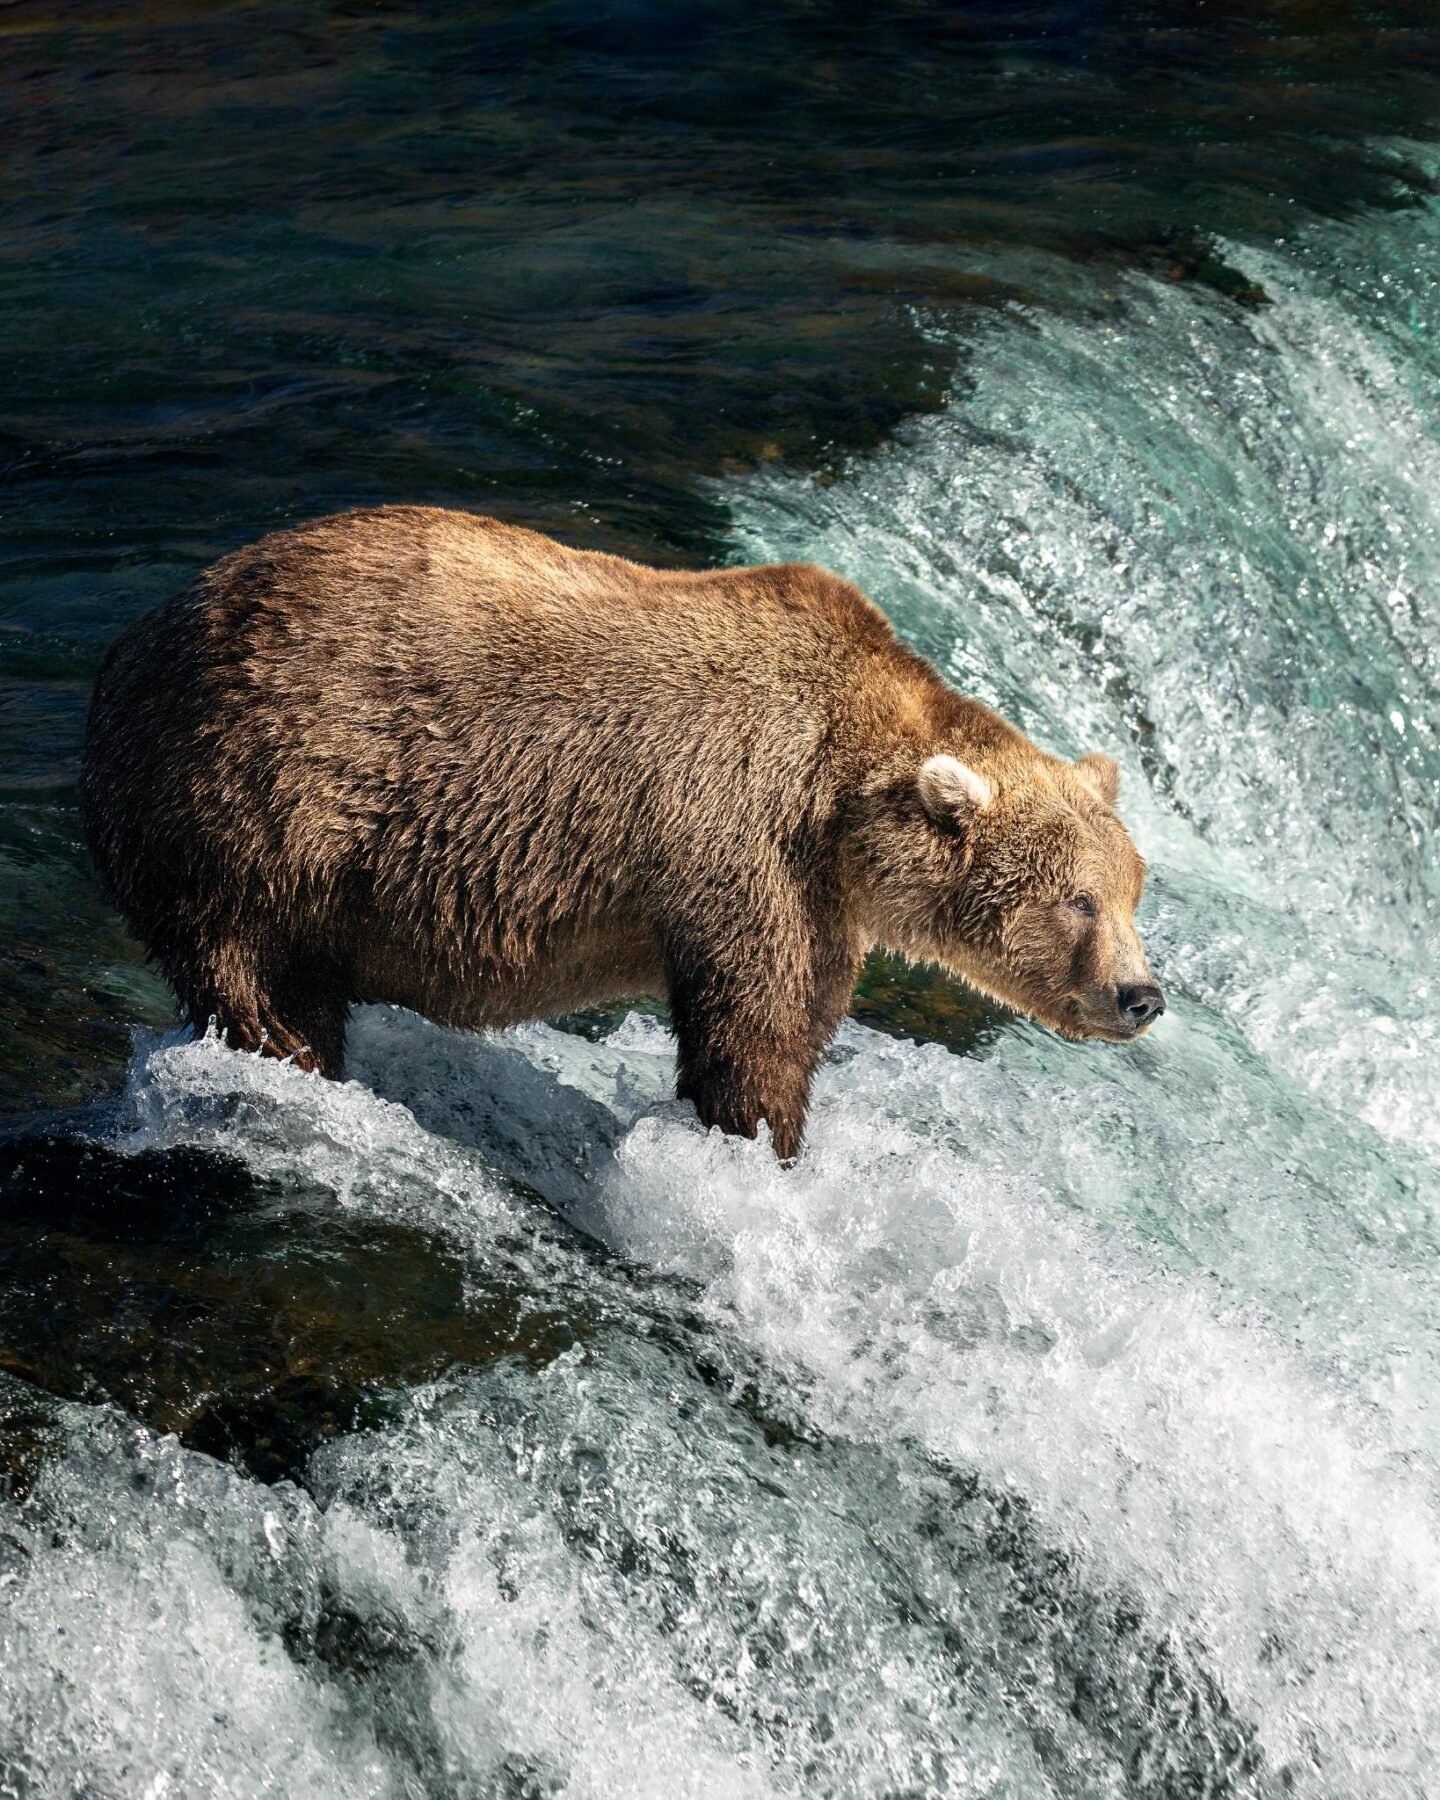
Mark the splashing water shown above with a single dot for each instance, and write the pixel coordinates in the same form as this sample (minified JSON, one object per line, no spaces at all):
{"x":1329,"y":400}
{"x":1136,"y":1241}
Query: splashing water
{"x":1065,"y":1421}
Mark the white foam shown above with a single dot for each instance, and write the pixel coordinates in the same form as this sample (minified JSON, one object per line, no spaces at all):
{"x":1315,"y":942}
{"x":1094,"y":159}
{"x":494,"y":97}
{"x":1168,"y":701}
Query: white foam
{"x":1256,"y":1509}
{"x":140,"y":1634}
{"x":909,"y":1293}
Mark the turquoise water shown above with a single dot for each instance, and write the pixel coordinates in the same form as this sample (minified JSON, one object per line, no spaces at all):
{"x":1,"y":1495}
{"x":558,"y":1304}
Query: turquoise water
{"x":1066,"y":1422}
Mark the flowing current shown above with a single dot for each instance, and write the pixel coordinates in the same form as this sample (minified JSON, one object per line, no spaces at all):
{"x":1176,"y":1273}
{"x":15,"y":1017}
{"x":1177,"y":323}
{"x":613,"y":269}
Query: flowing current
{"x":1066,"y":1421}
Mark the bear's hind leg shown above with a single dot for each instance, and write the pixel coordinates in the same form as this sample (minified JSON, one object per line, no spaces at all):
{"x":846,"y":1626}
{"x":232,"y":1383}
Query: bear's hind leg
{"x":281,"y":1020}
{"x":311,"y":1029}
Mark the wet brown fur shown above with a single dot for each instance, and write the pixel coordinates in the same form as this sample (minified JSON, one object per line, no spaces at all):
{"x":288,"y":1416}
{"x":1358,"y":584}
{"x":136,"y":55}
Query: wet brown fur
{"x":416,"y":756}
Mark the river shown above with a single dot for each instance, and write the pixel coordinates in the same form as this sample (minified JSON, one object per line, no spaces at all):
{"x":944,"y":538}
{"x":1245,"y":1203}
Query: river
{"x":1066,"y":1421}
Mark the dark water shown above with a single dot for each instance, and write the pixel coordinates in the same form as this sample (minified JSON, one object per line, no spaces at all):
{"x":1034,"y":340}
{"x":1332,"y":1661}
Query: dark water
{"x":265,"y":262}
{"x":1066,"y":1422}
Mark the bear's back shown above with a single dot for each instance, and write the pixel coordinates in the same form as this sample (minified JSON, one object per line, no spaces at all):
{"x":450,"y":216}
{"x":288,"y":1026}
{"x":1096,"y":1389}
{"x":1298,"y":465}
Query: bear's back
{"x":380,"y":585}
{"x":430,"y":704}
{"x":413,"y":626}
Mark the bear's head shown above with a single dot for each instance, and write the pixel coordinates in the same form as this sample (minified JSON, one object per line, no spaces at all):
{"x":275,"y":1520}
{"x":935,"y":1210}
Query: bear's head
{"x":1020,"y":879}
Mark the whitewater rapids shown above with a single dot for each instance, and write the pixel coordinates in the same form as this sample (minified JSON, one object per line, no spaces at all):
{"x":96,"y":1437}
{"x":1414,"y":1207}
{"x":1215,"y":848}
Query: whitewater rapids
{"x":1066,"y":1421}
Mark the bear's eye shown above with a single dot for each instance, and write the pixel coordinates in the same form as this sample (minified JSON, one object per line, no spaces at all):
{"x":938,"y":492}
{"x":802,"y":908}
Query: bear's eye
{"x":1084,"y":905}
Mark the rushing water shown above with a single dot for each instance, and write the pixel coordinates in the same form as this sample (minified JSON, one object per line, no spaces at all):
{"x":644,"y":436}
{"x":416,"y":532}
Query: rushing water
{"x":1066,"y":1421}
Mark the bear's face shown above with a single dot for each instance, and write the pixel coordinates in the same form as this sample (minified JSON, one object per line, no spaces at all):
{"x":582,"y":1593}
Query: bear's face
{"x":1025,"y":885}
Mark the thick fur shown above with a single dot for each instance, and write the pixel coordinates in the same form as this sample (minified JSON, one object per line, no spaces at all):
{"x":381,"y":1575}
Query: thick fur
{"x":415,"y":756}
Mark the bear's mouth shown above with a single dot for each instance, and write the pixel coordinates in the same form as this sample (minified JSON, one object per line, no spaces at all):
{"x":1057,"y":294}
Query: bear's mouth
{"x":1084,"y":1021}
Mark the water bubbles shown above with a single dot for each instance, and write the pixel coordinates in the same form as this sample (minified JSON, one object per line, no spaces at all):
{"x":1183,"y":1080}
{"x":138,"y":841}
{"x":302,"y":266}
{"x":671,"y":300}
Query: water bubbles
{"x":874,"y":1466}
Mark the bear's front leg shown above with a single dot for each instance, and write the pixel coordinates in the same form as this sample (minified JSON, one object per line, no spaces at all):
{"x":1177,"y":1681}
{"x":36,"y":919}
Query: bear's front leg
{"x":736,"y":1084}
{"x":750,"y":1039}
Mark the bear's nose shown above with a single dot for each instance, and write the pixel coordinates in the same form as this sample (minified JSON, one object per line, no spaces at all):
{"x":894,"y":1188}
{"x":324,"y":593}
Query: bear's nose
{"x":1140,"y":1004}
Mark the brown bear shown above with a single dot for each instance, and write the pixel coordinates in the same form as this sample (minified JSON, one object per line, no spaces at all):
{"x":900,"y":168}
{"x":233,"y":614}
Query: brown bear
{"x":416,"y":756}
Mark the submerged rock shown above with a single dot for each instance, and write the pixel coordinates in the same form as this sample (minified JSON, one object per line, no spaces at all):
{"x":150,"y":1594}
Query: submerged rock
{"x":251,"y":1321}
{"x":924,"y":1004}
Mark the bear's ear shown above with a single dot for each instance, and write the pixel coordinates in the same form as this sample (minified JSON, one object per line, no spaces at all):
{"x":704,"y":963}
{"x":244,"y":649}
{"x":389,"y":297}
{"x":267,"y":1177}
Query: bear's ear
{"x":951,"y":792}
{"x":1100,"y":773}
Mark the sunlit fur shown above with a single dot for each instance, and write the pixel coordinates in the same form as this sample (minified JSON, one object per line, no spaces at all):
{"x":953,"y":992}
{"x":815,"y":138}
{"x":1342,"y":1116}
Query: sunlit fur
{"x":992,"y":893}
{"x":415,"y":756}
